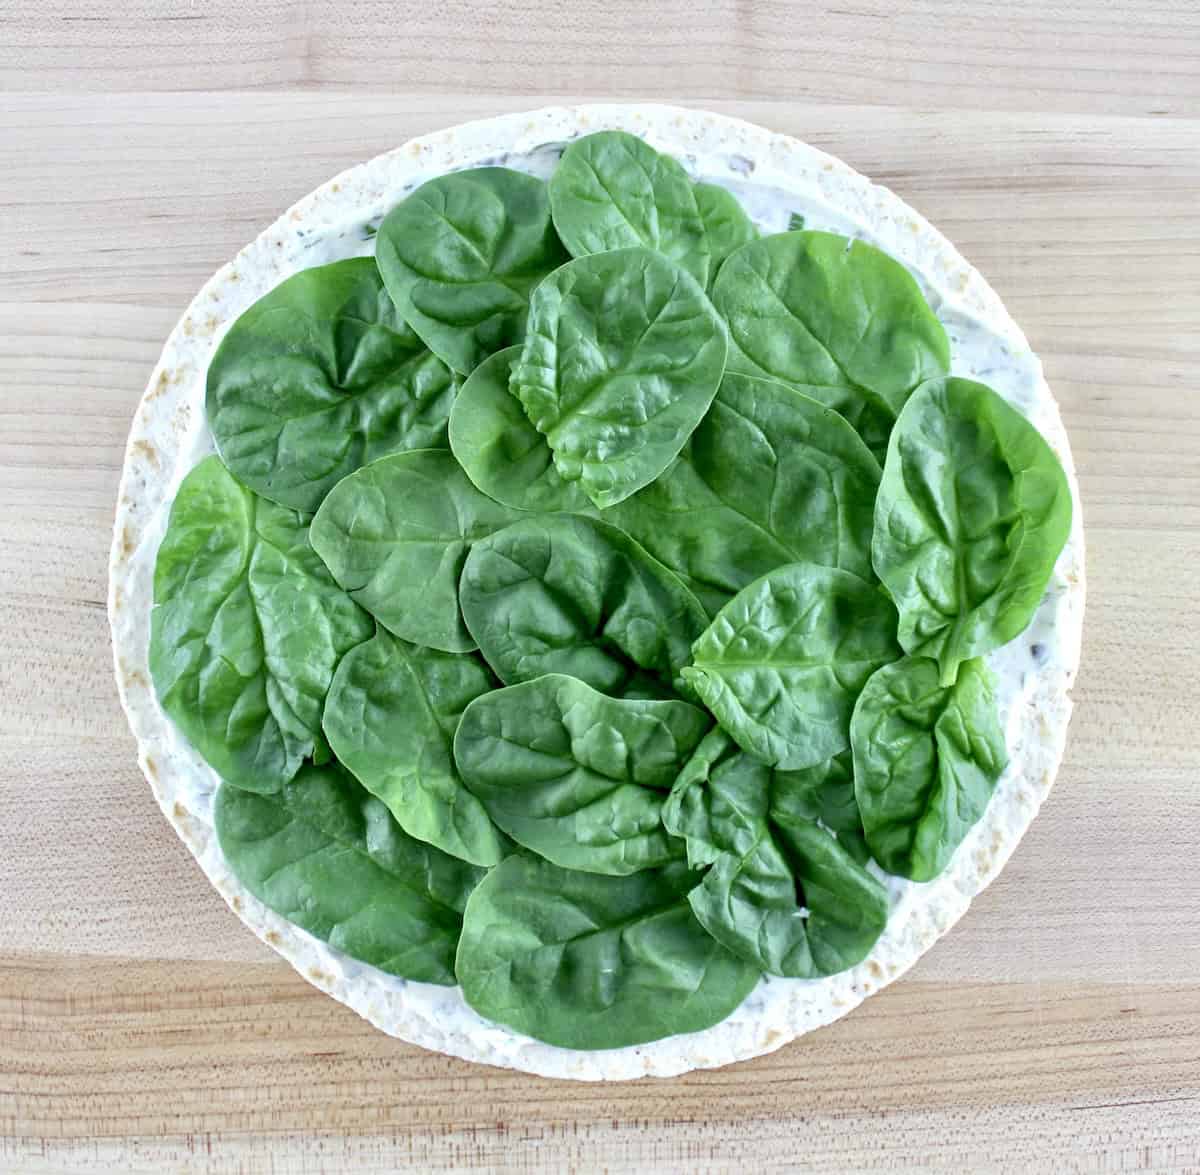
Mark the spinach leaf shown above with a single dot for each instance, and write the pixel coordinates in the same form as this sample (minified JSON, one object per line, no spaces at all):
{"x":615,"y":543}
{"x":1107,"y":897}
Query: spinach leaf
{"x":246,"y":631}
{"x":611,"y":190}
{"x":841,"y":321}
{"x":329,"y":858}
{"x":319,"y":377}
{"x":574,"y":775}
{"x":784,"y":660}
{"x":926,"y":761}
{"x":781,"y":892}
{"x":825,"y":793}
{"x":769,"y":477}
{"x":496,"y":444}
{"x":795,"y":222}
{"x":972,"y":513}
{"x":396,"y":533}
{"x":588,"y":962}
{"x":726,"y":224}
{"x":390,"y":718}
{"x":568,"y":594}
{"x":623,"y":356}
{"x":460,"y":255}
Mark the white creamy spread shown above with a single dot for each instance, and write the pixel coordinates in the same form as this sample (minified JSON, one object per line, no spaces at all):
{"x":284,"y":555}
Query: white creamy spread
{"x":774,"y":177}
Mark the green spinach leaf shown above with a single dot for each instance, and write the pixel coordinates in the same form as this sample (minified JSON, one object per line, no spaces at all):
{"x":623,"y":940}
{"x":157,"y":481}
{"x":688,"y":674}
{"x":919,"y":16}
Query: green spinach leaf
{"x":624,"y":354}
{"x":329,"y":858}
{"x":501,"y":452}
{"x":390,"y":718}
{"x":726,"y":224}
{"x":246,"y":631}
{"x":319,"y":377}
{"x":568,"y":594}
{"x":781,"y":892}
{"x":460,"y":256}
{"x":590,"y":962}
{"x":396,"y":533}
{"x":769,"y":477}
{"x":574,"y":775}
{"x":972,"y":513}
{"x":611,"y":190}
{"x":784,"y":660}
{"x":838,"y":319}
{"x":926,"y":761}
{"x":825,"y":793}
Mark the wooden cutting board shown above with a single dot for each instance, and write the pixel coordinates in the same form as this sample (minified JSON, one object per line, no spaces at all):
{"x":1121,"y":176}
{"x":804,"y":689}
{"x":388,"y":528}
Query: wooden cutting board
{"x":1057,"y":1028}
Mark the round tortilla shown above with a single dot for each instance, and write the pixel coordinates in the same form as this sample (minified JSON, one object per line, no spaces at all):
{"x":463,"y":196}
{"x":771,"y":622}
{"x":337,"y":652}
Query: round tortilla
{"x":169,"y":435}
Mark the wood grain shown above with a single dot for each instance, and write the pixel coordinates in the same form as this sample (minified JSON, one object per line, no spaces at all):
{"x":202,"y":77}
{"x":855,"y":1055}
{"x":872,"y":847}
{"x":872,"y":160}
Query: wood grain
{"x":1033,"y":55}
{"x":1057,"y":1028}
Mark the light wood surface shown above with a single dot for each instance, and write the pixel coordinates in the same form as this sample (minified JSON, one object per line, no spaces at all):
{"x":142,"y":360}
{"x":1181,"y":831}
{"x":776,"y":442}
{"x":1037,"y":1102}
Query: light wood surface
{"x":1057,"y":1028}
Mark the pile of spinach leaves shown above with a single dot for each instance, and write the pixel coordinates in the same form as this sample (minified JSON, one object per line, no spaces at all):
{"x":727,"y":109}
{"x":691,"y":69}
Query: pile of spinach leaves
{"x":589,"y":601}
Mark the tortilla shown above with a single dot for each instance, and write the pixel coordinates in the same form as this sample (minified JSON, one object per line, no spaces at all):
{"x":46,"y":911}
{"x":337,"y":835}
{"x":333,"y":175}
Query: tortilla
{"x":773,"y":175}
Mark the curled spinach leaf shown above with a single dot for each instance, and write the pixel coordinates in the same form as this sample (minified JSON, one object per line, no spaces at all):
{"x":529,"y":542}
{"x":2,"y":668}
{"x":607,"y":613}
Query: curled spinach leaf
{"x":726,"y":224}
{"x":390,"y":718}
{"x":568,"y":594}
{"x":319,"y":377}
{"x":926,"y":761}
{"x":838,"y":319}
{"x":611,"y":190}
{"x":328,"y":857}
{"x":769,"y":477}
{"x":574,"y":775}
{"x":623,"y":356}
{"x":246,"y":631}
{"x":589,"y":962}
{"x":460,"y":255}
{"x":972,"y":513}
{"x":784,"y":660}
{"x":781,"y":892}
{"x":501,"y":452}
{"x":396,"y":533}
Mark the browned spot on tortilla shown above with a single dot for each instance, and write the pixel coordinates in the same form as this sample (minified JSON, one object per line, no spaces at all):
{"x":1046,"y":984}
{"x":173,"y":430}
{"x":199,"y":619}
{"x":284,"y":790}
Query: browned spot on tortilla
{"x":236,"y":903}
{"x":414,"y":148}
{"x":151,"y":766}
{"x":210,"y":323}
{"x":335,"y":187}
{"x":128,"y":546}
{"x":772,"y":1036}
{"x":187,"y":326}
{"x":319,"y":976}
{"x":272,"y":938}
{"x":160,"y":385}
{"x":179,"y":811}
{"x":874,"y":970}
{"x":234,"y":276}
{"x":134,"y":677}
{"x":147,"y":450}
{"x":118,"y":598}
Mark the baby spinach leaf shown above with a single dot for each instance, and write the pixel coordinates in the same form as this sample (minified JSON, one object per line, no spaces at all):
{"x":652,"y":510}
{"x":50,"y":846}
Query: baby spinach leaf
{"x":589,"y":962}
{"x":574,"y":775}
{"x":825,"y":793}
{"x":972,"y":513}
{"x":460,"y":255}
{"x":319,"y":377}
{"x":769,"y":477}
{"x":611,"y":190}
{"x":795,"y":222}
{"x":246,"y":631}
{"x":390,"y":718}
{"x":781,"y":892}
{"x":926,"y":761}
{"x":329,"y":858}
{"x":496,"y":444}
{"x":623,"y":356}
{"x":396,"y":533}
{"x":784,"y":660}
{"x":568,"y":594}
{"x":726,"y":224}
{"x":838,"y":319}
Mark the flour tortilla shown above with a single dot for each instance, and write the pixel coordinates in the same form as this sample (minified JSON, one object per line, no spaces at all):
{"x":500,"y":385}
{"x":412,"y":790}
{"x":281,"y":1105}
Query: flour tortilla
{"x":766,"y":171}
